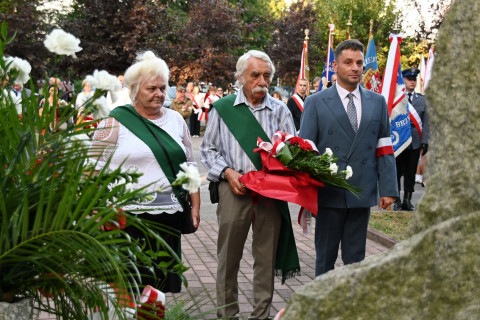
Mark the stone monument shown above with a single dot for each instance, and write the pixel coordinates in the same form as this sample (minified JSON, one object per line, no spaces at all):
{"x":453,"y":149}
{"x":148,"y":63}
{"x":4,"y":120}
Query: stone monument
{"x":435,"y":274}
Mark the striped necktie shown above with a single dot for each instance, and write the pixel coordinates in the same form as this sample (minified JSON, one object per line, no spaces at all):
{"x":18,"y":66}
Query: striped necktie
{"x":352,"y":112}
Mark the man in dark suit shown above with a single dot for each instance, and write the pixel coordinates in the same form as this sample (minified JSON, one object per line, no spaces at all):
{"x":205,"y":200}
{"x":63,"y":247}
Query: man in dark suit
{"x":407,"y":161}
{"x":353,"y":123}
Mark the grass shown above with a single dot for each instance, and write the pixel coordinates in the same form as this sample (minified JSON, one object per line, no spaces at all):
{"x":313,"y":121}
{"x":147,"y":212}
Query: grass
{"x":391,"y":223}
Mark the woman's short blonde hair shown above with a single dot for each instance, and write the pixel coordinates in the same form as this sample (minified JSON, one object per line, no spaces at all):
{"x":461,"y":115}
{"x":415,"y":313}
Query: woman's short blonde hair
{"x":146,"y":66}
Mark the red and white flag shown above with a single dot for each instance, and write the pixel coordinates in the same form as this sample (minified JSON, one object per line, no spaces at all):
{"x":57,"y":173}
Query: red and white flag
{"x":303,"y":74}
{"x":421,"y":76}
{"x":428,"y":68}
{"x":393,"y":89}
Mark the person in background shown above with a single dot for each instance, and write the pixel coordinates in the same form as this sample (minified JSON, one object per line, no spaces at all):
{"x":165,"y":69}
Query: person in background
{"x":219,"y":92}
{"x":189,"y":91}
{"x":277,"y":95}
{"x":197,"y":113}
{"x":226,"y":161}
{"x":209,"y":99}
{"x":407,"y":161}
{"x":19,"y":88}
{"x":52,"y":80}
{"x":118,"y":142}
{"x":316,"y":83}
{"x":181,"y":104}
{"x":40,"y":88}
{"x":68,"y":88}
{"x":295,"y":102}
{"x":119,"y":98}
{"x":84,"y":96}
{"x":353,"y":123}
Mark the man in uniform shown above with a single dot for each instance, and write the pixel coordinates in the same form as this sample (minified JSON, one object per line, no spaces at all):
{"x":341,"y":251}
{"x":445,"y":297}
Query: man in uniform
{"x":181,"y":104}
{"x":407,"y":161}
{"x":295,"y":102}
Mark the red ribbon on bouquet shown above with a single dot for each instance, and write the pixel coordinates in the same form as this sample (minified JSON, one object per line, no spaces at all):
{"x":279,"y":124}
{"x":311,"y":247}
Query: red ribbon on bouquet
{"x":278,"y":182}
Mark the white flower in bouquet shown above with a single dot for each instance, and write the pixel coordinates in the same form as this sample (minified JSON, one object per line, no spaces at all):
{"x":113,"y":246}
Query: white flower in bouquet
{"x":102,"y":109}
{"x":348,"y":173}
{"x":329,"y":152}
{"x":62,"y":43}
{"x":333,"y":168}
{"x":104,"y":81}
{"x":188,"y":177}
{"x":21,"y":66}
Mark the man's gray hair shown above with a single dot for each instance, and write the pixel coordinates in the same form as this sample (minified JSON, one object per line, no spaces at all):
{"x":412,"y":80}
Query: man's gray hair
{"x":146,"y":66}
{"x":242,"y":65}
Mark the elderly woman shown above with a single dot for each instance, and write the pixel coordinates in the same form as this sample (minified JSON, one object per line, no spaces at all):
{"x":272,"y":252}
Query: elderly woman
{"x":83,"y":96}
{"x":126,"y":138}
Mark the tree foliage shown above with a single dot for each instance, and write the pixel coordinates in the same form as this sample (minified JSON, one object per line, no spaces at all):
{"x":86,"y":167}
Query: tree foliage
{"x":431,"y":15}
{"x":288,"y":37}
{"x":24,"y":19}
{"x":209,"y":43}
{"x":201,"y":40}
{"x":338,"y":12}
{"x":111,"y":32}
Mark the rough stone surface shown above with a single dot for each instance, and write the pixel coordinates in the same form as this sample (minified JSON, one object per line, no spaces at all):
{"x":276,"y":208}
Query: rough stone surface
{"x":435,"y":274}
{"x":432,"y":275}
{"x":22,"y":310}
{"x":453,"y":98}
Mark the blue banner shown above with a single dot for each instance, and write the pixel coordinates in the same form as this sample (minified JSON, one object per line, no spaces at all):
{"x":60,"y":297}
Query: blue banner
{"x":329,"y":65}
{"x":371,"y":77}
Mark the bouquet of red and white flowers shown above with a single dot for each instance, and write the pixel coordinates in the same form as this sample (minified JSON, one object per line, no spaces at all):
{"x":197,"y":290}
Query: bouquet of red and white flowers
{"x":293,"y":169}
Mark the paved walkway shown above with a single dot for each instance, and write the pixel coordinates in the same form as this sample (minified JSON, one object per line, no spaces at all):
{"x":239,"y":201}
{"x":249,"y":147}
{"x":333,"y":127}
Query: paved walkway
{"x":199,"y":253}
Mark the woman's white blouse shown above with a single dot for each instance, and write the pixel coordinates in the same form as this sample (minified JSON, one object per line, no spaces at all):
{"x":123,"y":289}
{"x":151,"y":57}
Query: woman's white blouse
{"x":126,"y":150}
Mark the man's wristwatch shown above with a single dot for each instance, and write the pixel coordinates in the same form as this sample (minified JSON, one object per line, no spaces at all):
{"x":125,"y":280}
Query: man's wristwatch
{"x":222,"y":174}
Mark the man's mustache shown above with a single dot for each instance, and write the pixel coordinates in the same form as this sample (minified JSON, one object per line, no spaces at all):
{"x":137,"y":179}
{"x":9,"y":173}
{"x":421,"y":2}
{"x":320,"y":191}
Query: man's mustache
{"x":260,"y":89}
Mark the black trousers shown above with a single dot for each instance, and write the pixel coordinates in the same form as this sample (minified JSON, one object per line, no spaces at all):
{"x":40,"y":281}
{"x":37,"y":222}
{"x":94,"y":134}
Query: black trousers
{"x":335,"y":226}
{"x":407,"y":163}
{"x":151,"y":275}
{"x":194,"y":125}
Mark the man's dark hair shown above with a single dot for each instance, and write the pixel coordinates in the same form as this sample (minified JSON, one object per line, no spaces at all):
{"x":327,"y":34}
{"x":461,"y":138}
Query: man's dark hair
{"x":352,"y":44}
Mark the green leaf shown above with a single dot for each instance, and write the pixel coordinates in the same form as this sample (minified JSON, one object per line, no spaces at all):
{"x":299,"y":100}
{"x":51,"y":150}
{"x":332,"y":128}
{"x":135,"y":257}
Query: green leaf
{"x":10,"y":40}
{"x":4,"y":30}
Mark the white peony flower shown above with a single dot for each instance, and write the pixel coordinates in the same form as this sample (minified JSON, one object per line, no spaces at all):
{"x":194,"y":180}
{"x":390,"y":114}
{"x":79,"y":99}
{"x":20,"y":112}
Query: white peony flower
{"x":102,"y":109}
{"x":7,"y":97}
{"x":329,"y":152}
{"x":61,"y":42}
{"x":348,"y":173}
{"x":22,"y":66}
{"x":104,"y":81}
{"x":333,"y":168}
{"x":189,"y":178}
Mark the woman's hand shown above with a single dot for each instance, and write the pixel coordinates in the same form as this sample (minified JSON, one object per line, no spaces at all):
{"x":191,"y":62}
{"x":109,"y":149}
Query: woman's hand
{"x":195,"y":198}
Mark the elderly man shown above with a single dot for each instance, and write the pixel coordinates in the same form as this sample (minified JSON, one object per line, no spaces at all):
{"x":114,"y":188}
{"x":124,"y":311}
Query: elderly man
{"x":236,"y":122}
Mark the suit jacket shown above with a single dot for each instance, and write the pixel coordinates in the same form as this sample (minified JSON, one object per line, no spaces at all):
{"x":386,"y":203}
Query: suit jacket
{"x":418,"y":102}
{"x":325,"y":122}
{"x":295,"y":111}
